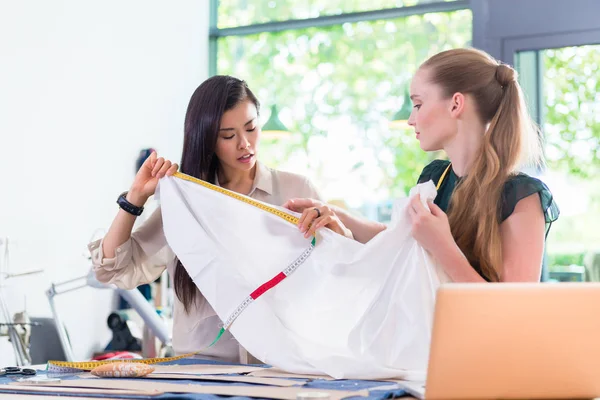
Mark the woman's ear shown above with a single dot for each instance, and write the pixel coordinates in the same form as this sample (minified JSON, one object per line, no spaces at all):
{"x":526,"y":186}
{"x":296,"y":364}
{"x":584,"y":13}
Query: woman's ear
{"x":457,"y":104}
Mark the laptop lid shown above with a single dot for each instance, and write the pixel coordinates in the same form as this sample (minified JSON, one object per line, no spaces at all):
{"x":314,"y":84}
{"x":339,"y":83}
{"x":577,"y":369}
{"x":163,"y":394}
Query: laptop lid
{"x":515,"y":341}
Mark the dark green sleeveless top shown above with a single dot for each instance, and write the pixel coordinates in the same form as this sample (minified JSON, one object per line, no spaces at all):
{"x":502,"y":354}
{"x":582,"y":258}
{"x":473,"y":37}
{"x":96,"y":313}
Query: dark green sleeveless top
{"x":516,"y":188}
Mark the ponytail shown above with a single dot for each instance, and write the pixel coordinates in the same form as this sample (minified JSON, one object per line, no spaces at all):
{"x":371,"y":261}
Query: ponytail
{"x":510,"y":139}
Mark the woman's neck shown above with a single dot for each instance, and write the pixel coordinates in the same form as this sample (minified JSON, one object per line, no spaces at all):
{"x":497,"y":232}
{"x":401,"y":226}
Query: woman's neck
{"x":236,"y":180}
{"x":463,"y":149}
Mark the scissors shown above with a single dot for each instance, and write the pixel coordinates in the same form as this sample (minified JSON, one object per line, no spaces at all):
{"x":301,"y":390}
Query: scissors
{"x":17,"y":371}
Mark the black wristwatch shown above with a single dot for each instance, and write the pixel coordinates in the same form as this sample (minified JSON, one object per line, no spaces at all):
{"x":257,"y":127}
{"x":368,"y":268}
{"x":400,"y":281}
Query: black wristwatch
{"x":127,"y":206}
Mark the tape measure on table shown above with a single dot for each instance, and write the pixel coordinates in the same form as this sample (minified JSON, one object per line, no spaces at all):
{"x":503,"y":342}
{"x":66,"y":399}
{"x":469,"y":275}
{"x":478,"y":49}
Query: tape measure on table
{"x":69,"y":366}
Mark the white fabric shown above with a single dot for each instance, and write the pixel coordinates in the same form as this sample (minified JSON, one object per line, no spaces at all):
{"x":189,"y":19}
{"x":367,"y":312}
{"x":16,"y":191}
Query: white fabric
{"x":145,"y":255}
{"x":351,"y":310}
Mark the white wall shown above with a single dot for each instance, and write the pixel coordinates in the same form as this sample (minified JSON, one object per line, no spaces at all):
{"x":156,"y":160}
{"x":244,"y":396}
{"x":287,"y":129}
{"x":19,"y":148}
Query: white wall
{"x":84,"y":85}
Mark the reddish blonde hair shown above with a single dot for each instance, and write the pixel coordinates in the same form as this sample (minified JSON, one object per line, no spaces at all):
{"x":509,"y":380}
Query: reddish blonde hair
{"x":509,"y":140}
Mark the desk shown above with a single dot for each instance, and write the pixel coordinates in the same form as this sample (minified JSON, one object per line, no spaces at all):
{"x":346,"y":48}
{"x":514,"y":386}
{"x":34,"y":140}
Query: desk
{"x":368,"y":390}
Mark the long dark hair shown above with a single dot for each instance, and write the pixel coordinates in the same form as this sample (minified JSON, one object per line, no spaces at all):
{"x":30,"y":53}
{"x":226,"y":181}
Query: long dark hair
{"x":209,"y":102}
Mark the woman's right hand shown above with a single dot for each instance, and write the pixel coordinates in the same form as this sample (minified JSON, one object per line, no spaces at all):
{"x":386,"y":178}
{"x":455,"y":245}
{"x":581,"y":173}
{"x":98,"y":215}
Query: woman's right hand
{"x":146,"y":180}
{"x":315,"y":215}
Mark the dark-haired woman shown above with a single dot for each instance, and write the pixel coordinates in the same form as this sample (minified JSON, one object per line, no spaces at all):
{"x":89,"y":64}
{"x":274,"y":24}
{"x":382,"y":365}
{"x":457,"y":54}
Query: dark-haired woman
{"x":221,"y":147}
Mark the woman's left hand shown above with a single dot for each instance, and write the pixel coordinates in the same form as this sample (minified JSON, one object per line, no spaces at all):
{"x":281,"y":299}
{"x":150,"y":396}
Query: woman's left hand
{"x":430,"y":228}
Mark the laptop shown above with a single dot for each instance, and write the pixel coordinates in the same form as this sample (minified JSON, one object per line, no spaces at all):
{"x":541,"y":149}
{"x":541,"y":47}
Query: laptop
{"x":509,"y":341}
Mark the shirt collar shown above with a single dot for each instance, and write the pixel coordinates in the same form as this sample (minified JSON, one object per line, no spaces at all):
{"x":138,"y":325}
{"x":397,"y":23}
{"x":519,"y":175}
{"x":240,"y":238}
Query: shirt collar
{"x":263,"y":180}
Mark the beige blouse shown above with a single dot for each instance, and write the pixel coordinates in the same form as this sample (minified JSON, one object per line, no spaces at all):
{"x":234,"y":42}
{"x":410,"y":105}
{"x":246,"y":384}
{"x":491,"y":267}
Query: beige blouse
{"x":143,"y":257}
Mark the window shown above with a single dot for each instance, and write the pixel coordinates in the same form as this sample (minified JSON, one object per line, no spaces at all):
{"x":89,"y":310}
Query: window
{"x":336,"y":88}
{"x":571,"y":122}
{"x":233,"y":13}
{"x":563,"y":90}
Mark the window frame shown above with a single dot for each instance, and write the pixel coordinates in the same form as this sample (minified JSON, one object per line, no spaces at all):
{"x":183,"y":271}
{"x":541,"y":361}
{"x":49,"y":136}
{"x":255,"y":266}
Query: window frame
{"x":215,"y":33}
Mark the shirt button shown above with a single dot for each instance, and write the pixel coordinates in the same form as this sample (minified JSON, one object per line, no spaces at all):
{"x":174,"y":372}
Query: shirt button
{"x":118,"y":249}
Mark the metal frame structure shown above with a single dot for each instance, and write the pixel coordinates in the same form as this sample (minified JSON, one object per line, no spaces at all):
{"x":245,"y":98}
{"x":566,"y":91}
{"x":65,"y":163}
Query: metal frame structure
{"x":19,"y":341}
{"x":133,"y":297}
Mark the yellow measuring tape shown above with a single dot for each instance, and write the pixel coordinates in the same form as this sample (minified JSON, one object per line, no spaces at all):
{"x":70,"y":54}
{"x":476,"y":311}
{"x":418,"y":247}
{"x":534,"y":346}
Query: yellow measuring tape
{"x":442,"y":177}
{"x":89,"y":365}
{"x":245,"y":199}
